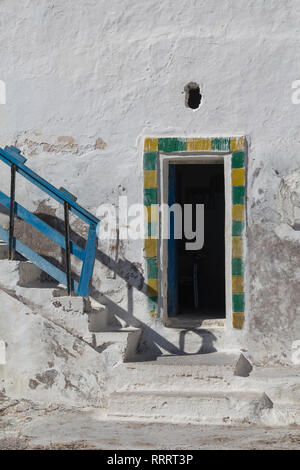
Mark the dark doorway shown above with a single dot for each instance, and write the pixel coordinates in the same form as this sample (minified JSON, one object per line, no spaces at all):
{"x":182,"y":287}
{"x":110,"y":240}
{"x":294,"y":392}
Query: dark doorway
{"x":196,"y":278}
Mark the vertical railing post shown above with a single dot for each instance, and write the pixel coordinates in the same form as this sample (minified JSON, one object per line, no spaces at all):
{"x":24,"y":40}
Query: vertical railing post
{"x":12,"y":212}
{"x":88,"y":262}
{"x":67,"y":250}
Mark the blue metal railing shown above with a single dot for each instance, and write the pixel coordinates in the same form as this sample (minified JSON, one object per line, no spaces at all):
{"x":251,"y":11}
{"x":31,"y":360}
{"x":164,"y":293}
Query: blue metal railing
{"x":13,"y":158}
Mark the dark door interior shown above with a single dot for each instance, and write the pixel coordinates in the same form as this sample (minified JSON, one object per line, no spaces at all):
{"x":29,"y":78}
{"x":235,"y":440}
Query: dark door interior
{"x":197,"y":278}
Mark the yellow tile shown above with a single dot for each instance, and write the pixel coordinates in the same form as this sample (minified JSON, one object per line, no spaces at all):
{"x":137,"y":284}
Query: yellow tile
{"x":151,"y":213}
{"x":237,"y":247}
{"x":150,"y":247}
{"x":152,"y":287}
{"x":238,"y":212}
{"x":237,"y":143}
{"x":238,"y":176}
{"x":237,"y":284}
{"x":150,"y":179}
{"x":151,"y":145}
{"x":238,"y":320}
{"x":198,"y":144}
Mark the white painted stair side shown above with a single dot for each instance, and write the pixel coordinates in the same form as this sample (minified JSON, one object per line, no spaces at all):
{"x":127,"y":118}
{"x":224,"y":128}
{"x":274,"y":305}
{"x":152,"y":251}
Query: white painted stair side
{"x":84,"y":318}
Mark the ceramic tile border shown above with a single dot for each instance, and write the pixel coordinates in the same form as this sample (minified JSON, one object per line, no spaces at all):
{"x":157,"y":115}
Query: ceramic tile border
{"x":236,"y":146}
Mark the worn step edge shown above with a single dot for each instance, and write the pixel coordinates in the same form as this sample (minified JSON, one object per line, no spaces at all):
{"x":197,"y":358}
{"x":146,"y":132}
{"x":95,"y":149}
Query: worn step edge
{"x":206,"y":407}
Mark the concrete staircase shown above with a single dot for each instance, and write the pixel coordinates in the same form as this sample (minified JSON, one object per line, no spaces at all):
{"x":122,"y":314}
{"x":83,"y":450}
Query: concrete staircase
{"x":197,"y":388}
{"x":79,"y":351}
{"x":218,"y":388}
{"x":84,"y":318}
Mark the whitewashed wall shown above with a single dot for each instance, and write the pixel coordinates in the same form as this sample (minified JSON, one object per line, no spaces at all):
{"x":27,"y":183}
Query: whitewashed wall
{"x":112,"y":72}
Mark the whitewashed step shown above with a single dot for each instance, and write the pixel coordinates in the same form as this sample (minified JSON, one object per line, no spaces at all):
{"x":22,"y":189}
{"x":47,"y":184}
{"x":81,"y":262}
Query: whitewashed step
{"x":202,"y":407}
{"x":20,"y":273}
{"x":281,"y":383}
{"x":84,"y":318}
{"x":214,"y":370}
{"x":187,"y":340}
{"x":123,"y":341}
{"x":79,"y":315}
{"x":283,"y":414}
{"x":70,"y":315}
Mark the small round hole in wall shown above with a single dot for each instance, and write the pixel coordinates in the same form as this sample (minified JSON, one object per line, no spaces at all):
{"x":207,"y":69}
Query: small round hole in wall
{"x":193,"y":96}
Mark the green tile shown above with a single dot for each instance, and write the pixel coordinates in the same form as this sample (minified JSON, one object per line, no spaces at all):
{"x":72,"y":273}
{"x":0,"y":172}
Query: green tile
{"x":237,"y":228}
{"x":238,"y":160}
{"x":169,"y":144}
{"x":152,"y":268}
{"x":150,"y":196}
{"x":151,"y":229}
{"x":150,"y":161}
{"x":221,"y":144}
{"x":238,"y":194}
{"x":238,"y":302}
{"x":147,"y":228}
{"x":237,"y":267}
{"x":152,"y":304}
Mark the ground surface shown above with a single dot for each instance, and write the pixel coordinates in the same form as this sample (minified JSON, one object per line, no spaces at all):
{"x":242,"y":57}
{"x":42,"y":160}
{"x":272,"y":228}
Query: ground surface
{"x":24,"y":425}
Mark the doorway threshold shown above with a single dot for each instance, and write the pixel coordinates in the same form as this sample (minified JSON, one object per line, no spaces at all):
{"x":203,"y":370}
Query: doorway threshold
{"x":192,"y":321}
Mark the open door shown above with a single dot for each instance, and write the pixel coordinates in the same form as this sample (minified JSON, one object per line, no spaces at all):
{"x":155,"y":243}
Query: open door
{"x":172,"y":249}
{"x":196,"y":278}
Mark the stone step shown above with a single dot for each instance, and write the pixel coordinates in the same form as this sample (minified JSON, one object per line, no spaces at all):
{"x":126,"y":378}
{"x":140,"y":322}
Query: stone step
{"x":186,"y":340}
{"x":215,"y":370}
{"x":283,"y":414}
{"x":123,"y":343}
{"x":84,"y":318}
{"x":281,"y":383}
{"x":88,"y":319}
{"x":78,"y":314}
{"x":204,"y":407}
{"x":73,"y":315}
{"x":22,"y":273}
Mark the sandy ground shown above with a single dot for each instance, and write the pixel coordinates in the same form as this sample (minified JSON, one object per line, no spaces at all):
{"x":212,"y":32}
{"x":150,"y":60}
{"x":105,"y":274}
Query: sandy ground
{"x":25,"y":425}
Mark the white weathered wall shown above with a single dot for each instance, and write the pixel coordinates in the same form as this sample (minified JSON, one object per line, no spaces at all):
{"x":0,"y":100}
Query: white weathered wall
{"x":79,"y":71}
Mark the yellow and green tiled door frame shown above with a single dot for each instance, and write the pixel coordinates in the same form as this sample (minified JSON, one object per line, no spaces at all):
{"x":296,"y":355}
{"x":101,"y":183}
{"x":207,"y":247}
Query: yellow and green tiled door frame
{"x":236,"y":147}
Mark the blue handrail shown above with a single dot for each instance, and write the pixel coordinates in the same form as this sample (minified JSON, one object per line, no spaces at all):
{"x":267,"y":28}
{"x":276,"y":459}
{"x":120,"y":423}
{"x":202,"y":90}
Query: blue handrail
{"x":13,"y":158}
